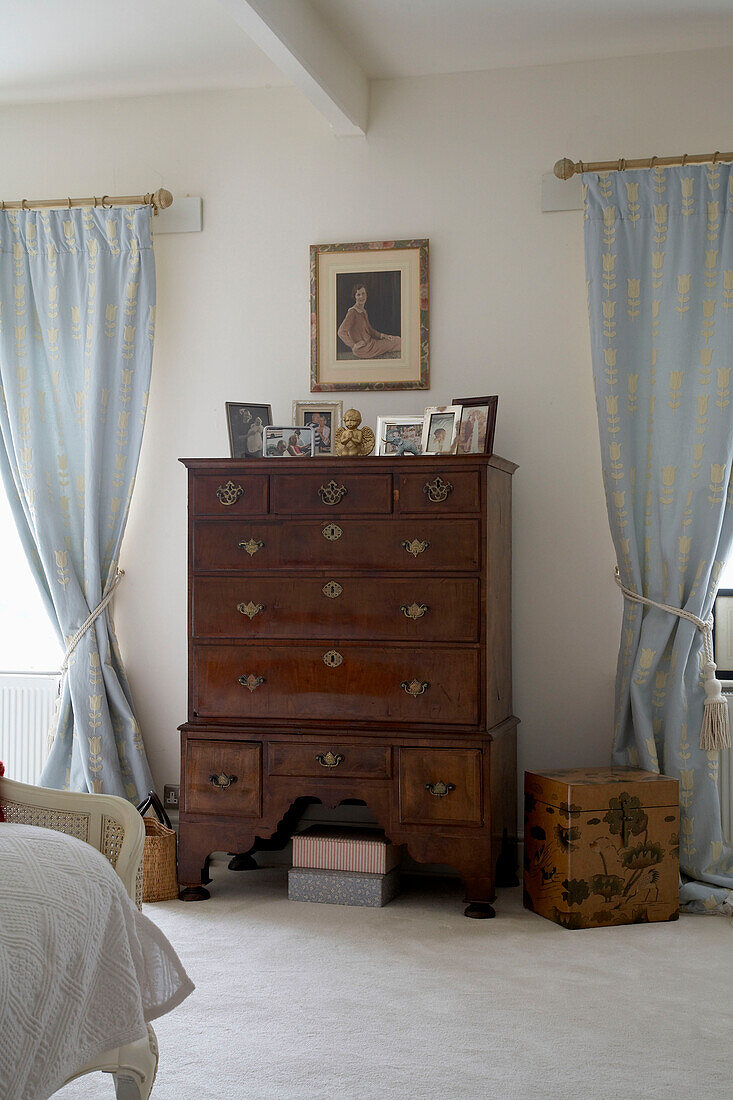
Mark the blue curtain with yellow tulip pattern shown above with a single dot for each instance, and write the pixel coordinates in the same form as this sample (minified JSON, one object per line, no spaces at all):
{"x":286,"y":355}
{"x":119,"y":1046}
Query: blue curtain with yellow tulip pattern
{"x":77,"y":310}
{"x":659,"y":265}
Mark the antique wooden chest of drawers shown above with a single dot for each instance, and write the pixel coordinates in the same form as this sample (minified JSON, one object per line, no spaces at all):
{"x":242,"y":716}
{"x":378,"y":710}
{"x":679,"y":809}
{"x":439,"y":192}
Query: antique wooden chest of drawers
{"x":349,"y":639}
{"x":601,"y":846}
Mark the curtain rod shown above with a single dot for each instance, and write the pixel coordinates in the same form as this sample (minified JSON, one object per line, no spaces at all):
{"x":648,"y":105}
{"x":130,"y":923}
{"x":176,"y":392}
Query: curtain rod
{"x":565,"y":169}
{"x":159,"y":200}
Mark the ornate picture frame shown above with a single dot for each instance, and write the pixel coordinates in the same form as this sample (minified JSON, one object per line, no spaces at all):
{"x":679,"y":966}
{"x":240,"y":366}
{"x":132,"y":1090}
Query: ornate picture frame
{"x":370,"y":316}
{"x":325,"y":417}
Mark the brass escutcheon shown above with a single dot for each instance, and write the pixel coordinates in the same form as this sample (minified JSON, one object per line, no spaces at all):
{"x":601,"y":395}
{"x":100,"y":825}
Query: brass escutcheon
{"x":437,"y":490}
{"x":229,"y":494}
{"x":414,"y":611}
{"x":440,"y":789}
{"x":251,"y":545}
{"x":332,"y":493}
{"x":250,"y":609}
{"x":329,"y":759}
{"x":222,"y":781}
{"x":417,"y":546}
{"x":252,"y":682}
{"x":332,"y":532}
{"x":415,"y":687}
{"x":332,"y":589}
{"x":332,"y":659}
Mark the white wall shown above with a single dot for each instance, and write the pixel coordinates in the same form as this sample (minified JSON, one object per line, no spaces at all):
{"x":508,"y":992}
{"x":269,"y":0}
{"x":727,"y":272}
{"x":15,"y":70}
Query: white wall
{"x":457,"y":159}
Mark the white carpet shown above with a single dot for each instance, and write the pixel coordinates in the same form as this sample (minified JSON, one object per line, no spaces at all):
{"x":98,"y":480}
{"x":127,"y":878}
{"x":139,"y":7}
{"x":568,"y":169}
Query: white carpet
{"x":319,"y":1002}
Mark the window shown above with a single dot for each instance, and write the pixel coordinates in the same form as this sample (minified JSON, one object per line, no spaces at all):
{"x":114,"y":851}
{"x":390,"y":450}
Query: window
{"x":28,"y":641}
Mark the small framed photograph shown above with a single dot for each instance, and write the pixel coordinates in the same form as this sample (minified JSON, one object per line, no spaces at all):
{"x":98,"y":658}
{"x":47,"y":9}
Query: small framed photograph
{"x":477,"y":426}
{"x":399,"y":435}
{"x":246,"y":423}
{"x":294,"y":441}
{"x":369,"y":316}
{"x":723,"y":633}
{"x":440,"y":430}
{"x":324,"y":417}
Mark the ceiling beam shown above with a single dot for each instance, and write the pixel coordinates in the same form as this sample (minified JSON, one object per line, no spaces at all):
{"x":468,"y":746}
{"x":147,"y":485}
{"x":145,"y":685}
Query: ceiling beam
{"x":297,"y":40}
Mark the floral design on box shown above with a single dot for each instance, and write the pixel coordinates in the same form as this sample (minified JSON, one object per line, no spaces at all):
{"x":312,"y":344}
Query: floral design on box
{"x":618,"y":864}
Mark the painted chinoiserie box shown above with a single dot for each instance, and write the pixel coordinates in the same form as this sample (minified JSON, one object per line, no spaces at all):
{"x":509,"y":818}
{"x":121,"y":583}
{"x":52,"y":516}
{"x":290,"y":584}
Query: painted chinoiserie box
{"x":601,"y":846}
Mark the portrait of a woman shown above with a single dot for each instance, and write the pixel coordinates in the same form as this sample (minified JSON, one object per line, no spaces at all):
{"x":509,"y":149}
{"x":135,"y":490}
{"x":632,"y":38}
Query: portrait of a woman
{"x":357,"y":333}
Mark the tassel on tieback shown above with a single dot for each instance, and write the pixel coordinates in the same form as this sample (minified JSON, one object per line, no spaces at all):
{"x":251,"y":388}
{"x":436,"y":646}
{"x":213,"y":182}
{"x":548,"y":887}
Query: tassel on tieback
{"x":715,"y":732}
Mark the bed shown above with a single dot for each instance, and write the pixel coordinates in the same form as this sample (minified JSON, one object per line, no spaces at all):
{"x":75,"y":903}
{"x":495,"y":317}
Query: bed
{"x":82,"y":971}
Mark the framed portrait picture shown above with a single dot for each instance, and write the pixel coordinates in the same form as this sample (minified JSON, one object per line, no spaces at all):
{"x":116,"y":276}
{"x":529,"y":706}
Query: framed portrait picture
{"x":246,"y":423}
{"x":399,"y":435}
{"x":478,"y":424}
{"x":440,"y":429}
{"x":324,"y":417}
{"x":291,"y":441}
{"x":369,"y":316}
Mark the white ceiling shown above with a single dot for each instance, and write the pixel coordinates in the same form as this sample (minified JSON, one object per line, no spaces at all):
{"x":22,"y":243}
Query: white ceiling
{"x":78,"y":49}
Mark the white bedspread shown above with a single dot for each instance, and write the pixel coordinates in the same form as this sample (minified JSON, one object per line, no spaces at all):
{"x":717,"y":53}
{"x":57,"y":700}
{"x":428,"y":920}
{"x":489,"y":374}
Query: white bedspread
{"x":81,"y":969}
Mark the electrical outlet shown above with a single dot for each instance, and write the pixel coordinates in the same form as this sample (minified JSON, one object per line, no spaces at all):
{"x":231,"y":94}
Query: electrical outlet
{"x":171,"y":796}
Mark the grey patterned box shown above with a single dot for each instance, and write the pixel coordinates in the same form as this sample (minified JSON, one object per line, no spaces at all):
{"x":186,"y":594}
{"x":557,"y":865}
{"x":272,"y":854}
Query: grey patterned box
{"x":342,"y":887}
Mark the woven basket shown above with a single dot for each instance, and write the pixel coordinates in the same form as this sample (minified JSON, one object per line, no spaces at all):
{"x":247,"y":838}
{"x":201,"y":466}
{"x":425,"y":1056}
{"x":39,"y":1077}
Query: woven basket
{"x":160,"y":876}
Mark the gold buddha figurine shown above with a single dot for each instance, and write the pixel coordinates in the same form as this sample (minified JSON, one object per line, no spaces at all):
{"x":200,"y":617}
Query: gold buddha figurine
{"x":351,"y":440}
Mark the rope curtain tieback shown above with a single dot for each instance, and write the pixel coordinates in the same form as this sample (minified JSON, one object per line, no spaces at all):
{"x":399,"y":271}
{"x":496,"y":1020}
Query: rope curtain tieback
{"x":715,"y":732}
{"x":88,"y":622}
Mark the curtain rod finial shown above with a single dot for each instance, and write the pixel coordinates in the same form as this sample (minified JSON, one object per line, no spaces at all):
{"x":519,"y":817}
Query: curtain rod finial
{"x":162,"y":199}
{"x":564,"y":169}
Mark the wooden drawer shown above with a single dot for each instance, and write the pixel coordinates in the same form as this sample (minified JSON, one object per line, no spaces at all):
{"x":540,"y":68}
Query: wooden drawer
{"x":295,"y":683}
{"x":447,"y":491}
{"x":329,"y":492}
{"x":327,"y":758}
{"x":423,"y":609}
{"x":237,"y":770}
{"x":229,"y":495}
{"x":395,"y":545}
{"x":440,"y":786}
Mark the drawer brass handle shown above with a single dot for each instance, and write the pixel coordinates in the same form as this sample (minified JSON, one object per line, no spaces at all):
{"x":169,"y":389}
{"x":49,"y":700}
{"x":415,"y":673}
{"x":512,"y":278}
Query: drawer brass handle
{"x":222,"y":781}
{"x":250,"y":609}
{"x":229,"y":494}
{"x":332,"y":659}
{"x":417,"y":546}
{"x":332,"y":532}
{"x":251,"y":545}
{"x":415,"y":687}
{"x":414,"y":610}
{"x":440,"y":789}
{"x":329,"y":759}
{"x":332,"y":589}
{"x":252,"y":682}
{"x":332,"y":493}
{"x":437,"y":490}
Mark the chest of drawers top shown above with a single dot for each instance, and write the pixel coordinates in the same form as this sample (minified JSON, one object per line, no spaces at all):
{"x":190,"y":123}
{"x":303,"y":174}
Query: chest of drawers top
{"x":373,"y":486}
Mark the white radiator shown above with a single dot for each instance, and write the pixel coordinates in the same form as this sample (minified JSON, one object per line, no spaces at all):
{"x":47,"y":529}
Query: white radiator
{"x":26,"y":712}
{"x":725,"y":781}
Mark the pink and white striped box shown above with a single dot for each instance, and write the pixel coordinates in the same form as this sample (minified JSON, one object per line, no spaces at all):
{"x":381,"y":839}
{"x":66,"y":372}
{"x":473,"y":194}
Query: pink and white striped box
{"x":366,"y":850}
